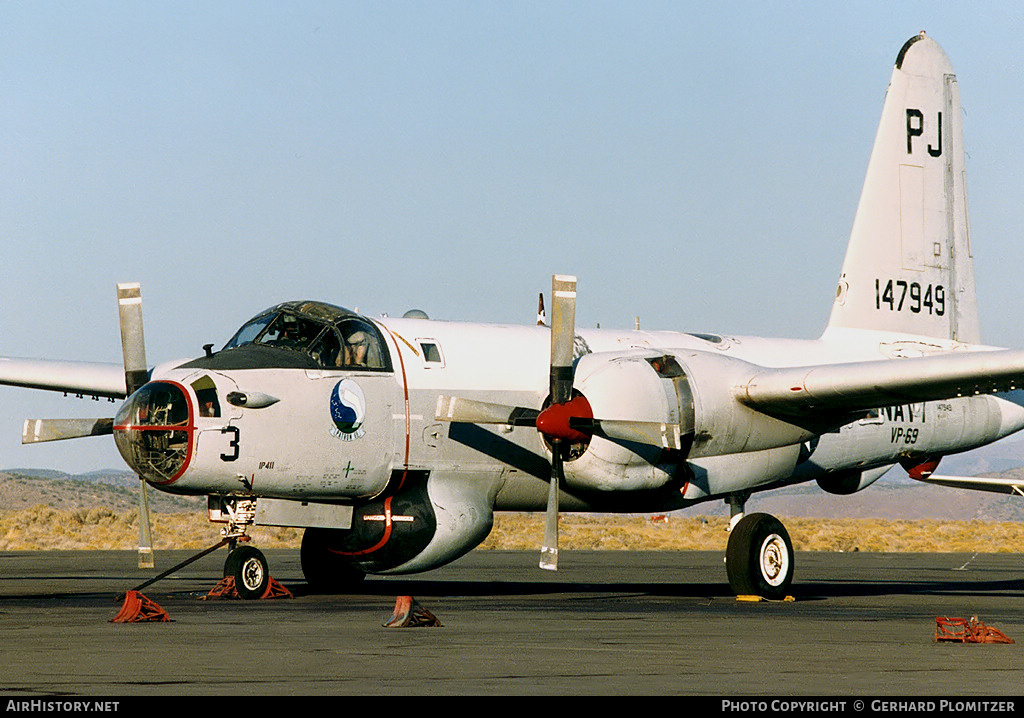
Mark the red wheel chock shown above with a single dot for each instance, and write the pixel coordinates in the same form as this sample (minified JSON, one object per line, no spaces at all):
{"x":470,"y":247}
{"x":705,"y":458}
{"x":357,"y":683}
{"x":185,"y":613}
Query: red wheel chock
{"x":962,"y":630}
{"x":276,"y":590}
{"x":225,"y":588}
{"x":137,"y":609}
{"x":409,"y":614}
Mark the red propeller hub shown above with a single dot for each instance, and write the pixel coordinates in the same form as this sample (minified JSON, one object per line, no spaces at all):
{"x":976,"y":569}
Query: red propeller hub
{"x":554,"y":421}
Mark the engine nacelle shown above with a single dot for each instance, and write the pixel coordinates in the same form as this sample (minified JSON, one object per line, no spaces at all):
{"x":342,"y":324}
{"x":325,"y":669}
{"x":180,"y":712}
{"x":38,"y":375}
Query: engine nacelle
{"x":691,"y":394}
{"x":850,"y":481}
{"x":636,"y":386}
{"x":430,"y":521}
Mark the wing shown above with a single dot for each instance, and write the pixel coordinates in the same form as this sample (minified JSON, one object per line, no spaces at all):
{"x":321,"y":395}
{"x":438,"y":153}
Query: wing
{"x":860,"y":386}
{"x":88,"y":378}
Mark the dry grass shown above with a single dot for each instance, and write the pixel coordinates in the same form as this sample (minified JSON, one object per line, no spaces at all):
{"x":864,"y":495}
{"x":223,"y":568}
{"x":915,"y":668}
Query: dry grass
{"x":701,"y":533}
{"x":45,"y":528}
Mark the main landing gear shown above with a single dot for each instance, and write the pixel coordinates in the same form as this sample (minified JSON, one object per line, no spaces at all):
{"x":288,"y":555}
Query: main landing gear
{"x":327,"y":571}
{"x":759,"y":556}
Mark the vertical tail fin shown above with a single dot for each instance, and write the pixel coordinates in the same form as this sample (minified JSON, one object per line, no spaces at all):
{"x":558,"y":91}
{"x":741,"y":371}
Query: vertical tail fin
{"x":908,"y":266}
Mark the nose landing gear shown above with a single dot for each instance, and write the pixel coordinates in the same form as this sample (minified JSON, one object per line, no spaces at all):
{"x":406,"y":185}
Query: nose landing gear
{"x":245,"y":565}
{"x":248,"y":567}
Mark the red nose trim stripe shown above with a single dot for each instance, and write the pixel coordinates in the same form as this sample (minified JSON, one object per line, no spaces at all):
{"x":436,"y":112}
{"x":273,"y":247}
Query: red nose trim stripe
{"x":189,"y":427}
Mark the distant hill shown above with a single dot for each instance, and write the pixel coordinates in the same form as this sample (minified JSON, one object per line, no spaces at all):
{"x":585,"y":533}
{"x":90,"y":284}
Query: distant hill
{"x":114,"y":489}
{"x":992,"y":459}
{"x":895,"y":496}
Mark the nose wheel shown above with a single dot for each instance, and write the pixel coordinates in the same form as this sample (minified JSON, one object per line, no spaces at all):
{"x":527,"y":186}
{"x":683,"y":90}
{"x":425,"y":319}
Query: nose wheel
{"x":248,"y":567}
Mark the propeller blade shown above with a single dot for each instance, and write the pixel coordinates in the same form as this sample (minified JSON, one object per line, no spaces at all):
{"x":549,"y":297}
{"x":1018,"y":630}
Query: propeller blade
{"x":133,"y":343}
{"x":650,"y":433}
{"x":549,"y":549}
{"x":470,"y":411}
{"x":563,"y":339}
{"x":563,"y":336}
{"x":38,"y":430}
{"x":136,"y":373}
{"x":145,"y":537}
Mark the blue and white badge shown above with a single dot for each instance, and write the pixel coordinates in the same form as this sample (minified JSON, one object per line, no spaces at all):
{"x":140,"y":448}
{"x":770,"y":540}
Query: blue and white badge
{"x":348,"y":410}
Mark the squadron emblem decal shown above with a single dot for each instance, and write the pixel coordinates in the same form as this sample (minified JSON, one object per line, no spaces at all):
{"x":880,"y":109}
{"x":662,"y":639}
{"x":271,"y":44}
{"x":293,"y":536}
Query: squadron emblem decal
{"x":348,"y":410}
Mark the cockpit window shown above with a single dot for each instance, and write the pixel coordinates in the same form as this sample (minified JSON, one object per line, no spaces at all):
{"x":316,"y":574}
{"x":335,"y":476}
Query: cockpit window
{"x":326,"y":349}
{"x":355,"y":345}
{"x":290,"y":331}
{"x":361,"y":346}
{"x":248,"y":333}
{"x":334,"y":340}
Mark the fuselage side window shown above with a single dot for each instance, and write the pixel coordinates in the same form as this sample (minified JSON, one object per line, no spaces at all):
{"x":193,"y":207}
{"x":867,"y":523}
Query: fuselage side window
{"x":431,"y":352}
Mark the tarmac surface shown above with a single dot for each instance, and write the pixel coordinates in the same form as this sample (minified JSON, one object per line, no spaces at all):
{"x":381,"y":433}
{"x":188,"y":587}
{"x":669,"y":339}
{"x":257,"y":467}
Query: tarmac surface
{"x":607,"y":623}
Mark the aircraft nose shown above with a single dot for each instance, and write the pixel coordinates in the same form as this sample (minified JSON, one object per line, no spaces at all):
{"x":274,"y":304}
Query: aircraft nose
{"x":154,"y":431}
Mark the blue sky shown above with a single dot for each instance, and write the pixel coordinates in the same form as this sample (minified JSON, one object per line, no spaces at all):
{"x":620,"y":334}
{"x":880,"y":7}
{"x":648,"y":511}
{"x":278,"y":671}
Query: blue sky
{"x":696,"y":165}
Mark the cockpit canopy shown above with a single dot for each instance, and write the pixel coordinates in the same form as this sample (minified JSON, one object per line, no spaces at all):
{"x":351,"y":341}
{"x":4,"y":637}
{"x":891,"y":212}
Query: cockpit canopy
{"x":332,"y":337}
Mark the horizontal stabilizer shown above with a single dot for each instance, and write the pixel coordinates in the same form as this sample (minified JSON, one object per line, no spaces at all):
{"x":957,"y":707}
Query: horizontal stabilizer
{"x":37,"y":430}
{"x":996,"y":484}
{"x":798,"y":391}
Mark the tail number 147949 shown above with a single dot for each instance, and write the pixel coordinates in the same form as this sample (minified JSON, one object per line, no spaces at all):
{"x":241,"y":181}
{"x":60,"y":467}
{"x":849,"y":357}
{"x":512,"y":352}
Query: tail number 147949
{"x":900,"y":296}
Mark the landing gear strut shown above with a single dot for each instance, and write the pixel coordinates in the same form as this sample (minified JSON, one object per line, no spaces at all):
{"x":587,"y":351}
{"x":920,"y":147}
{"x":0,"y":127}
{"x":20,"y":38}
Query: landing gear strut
{"x":245,"y":564}
{"x":759,"y":557}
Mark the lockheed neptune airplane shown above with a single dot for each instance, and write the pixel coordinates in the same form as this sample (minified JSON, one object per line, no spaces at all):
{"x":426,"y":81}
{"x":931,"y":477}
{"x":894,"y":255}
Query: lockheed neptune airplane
{"x":393,"y":441}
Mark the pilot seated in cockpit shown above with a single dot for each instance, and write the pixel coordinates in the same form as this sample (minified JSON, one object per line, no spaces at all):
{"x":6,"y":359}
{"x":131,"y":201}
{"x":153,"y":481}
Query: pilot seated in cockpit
{"x":357,"y":345}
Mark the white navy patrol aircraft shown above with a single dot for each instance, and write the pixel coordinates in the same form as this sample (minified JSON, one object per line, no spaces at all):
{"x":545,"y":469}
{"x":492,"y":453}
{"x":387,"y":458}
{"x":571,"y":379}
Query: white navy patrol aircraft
{"x":393,"y":441}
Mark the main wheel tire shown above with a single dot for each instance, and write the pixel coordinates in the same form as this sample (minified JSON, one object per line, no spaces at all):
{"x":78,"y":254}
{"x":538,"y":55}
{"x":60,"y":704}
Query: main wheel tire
{"x":326,"y":571}
{"x":759,"y":557}
{"x":248,"y":567}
